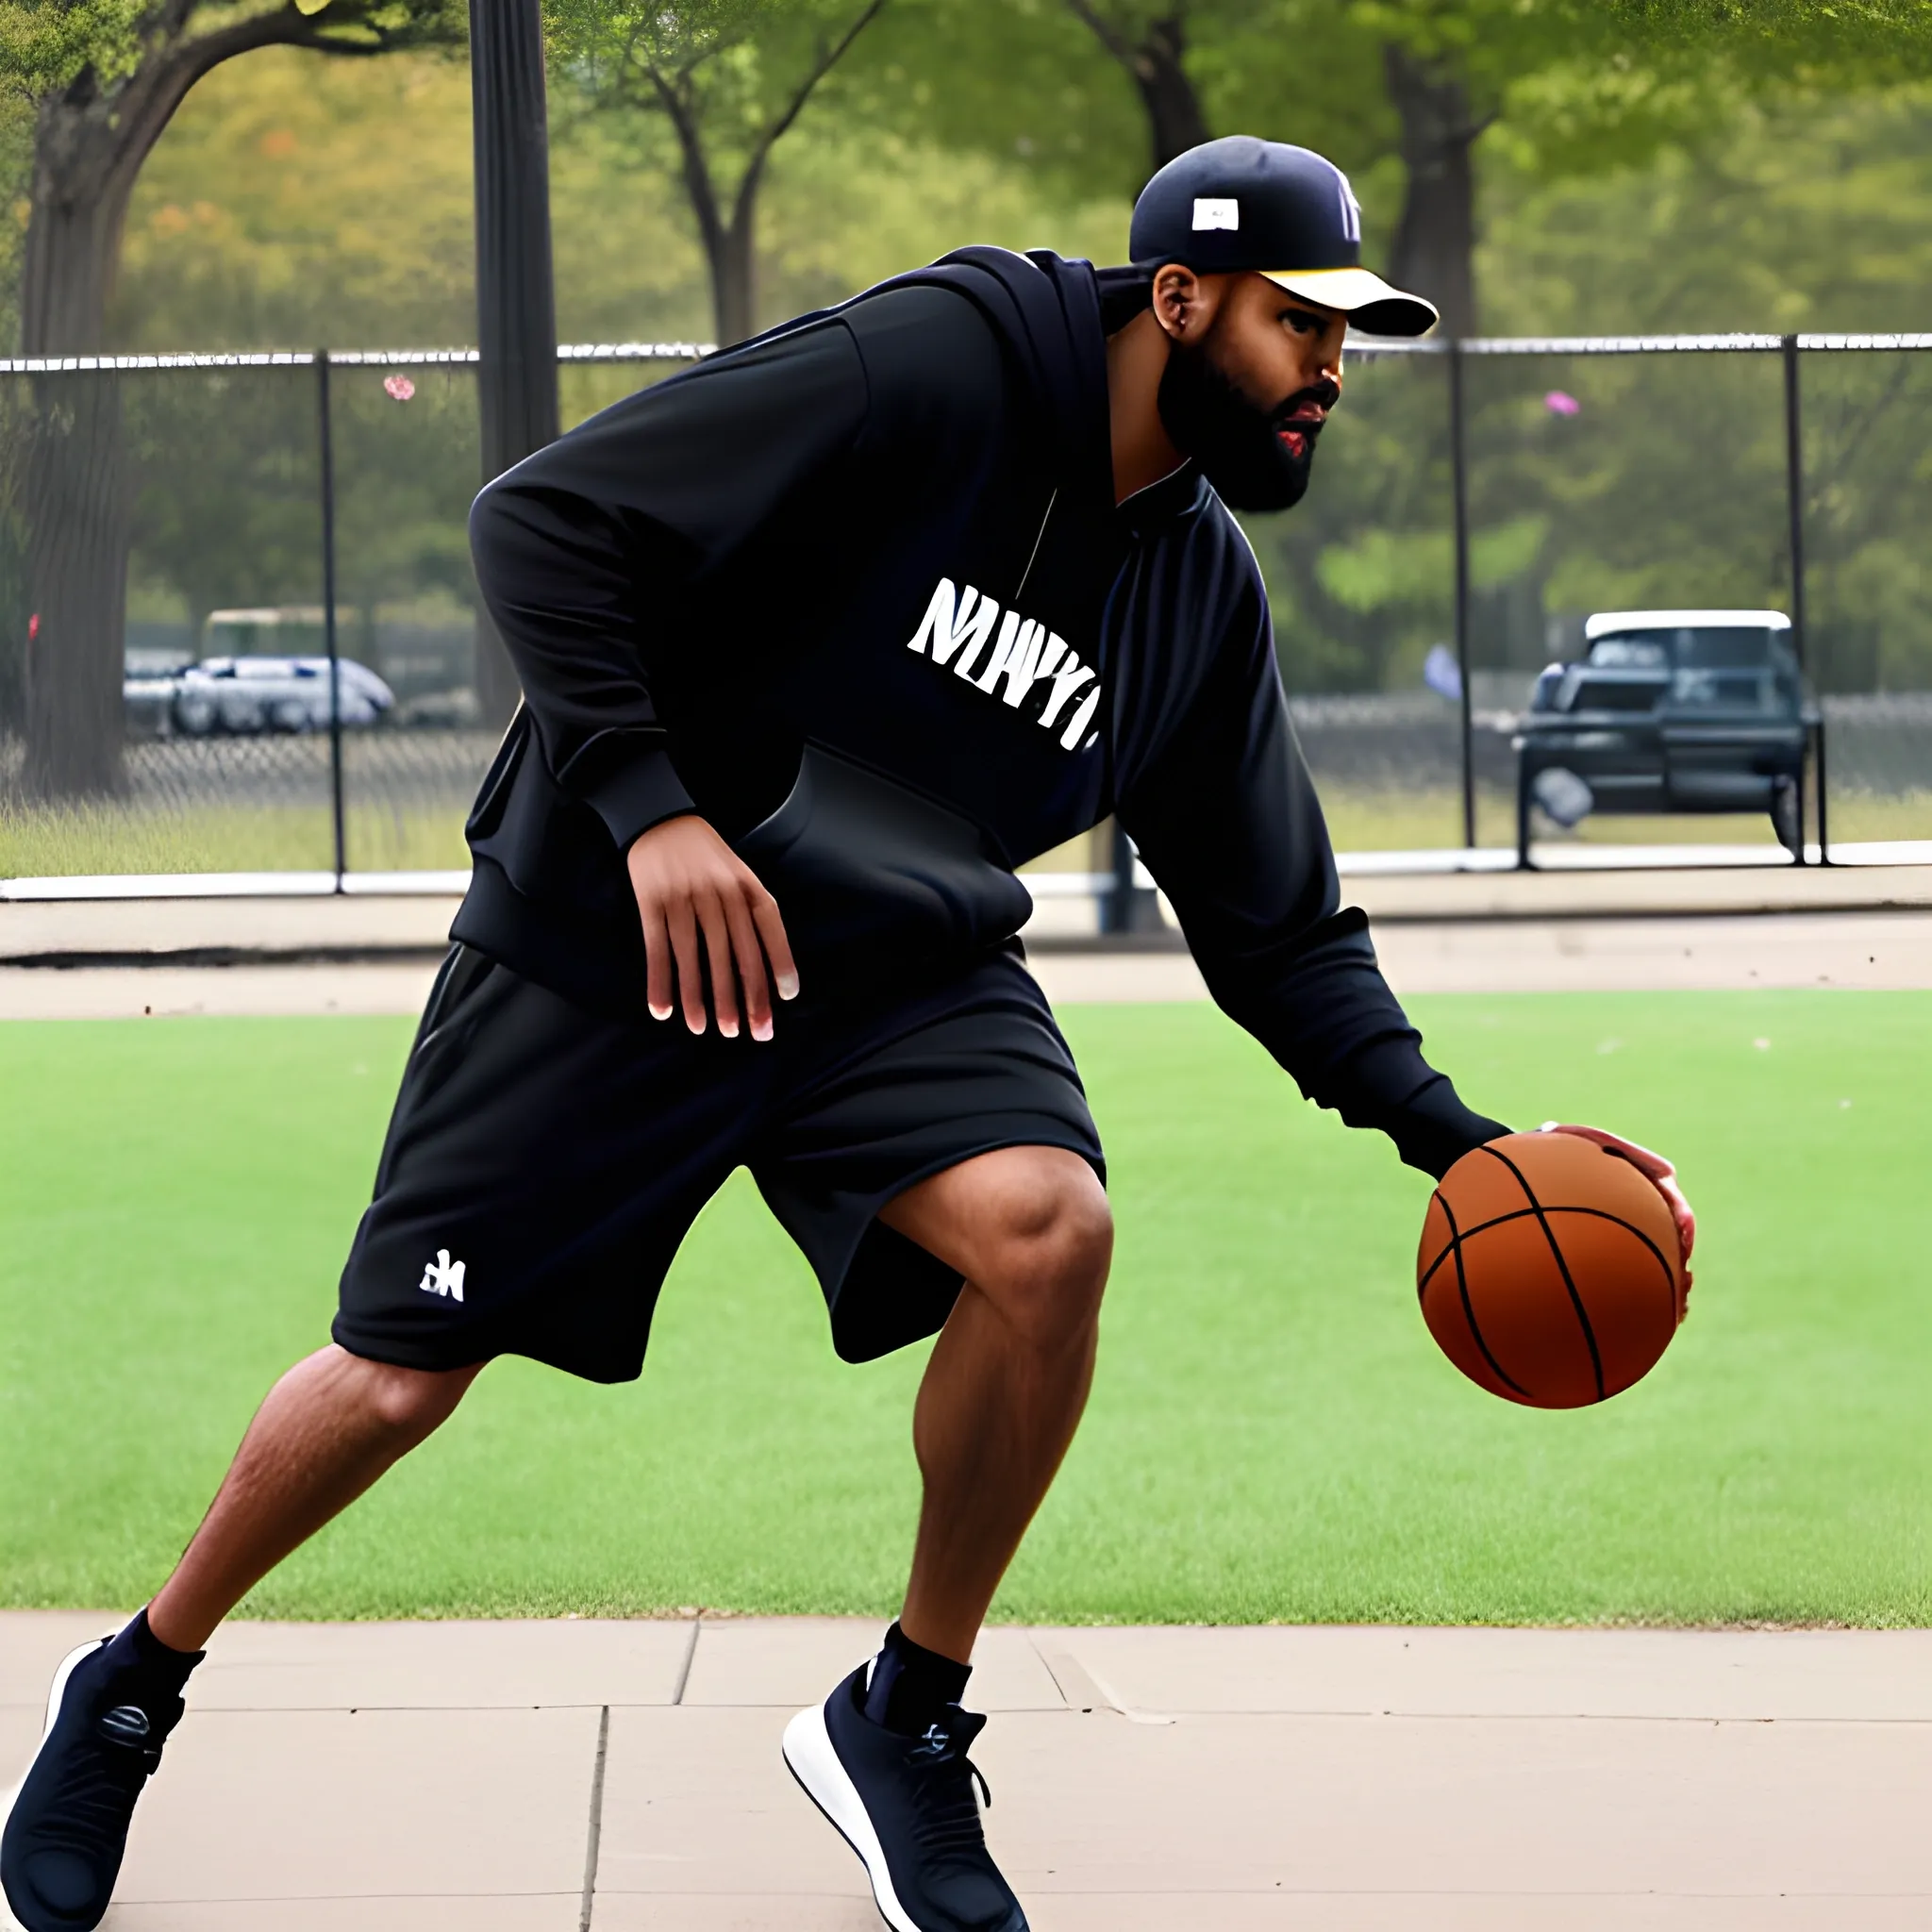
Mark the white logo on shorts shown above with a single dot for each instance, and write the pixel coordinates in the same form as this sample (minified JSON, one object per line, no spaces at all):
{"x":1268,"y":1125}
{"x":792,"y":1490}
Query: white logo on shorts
{"x":1212,"y":214}
{"x":443,"y":1276}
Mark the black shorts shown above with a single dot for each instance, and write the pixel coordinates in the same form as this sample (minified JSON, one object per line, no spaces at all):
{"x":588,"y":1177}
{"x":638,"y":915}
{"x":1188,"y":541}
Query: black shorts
{"x":544,"y":1163}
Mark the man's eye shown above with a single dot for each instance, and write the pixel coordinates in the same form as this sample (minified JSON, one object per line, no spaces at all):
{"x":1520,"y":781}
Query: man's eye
{"x":1302,"y":321}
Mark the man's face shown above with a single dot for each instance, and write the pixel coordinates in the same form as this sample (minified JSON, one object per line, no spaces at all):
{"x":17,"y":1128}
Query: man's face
{"x":1251,"y":375}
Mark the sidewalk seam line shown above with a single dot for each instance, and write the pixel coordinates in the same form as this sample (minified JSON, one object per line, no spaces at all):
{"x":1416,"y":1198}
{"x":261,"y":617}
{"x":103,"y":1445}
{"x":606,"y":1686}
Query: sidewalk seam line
{"x":690,"y":1650}
{"x":595,"y":1838}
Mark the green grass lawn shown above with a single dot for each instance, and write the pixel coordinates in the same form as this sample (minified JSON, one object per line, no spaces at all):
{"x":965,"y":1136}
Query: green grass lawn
{"x":1273,"y":1435}
{"x":55,"y":842}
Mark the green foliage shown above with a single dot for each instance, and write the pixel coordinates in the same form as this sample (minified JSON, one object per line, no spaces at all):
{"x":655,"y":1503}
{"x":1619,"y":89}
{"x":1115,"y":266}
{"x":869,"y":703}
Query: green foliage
{"x":1020,"y":82}
{"x":729,"y":77}
{"x":1272,"y":1436}
{"x":1026,"y":80}
{"x":46,"y":46}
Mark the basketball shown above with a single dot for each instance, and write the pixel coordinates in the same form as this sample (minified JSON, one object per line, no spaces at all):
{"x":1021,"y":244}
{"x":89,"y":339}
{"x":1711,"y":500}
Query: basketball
{"x":1549,"y":1271}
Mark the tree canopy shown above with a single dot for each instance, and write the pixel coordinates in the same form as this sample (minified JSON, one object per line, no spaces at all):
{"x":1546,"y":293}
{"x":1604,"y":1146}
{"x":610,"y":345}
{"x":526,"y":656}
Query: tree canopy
{"x":1398,"y":91}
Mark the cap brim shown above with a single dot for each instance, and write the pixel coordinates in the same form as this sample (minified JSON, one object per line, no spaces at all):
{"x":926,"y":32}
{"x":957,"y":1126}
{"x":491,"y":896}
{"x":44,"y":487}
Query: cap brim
{"x":1362,"y":295}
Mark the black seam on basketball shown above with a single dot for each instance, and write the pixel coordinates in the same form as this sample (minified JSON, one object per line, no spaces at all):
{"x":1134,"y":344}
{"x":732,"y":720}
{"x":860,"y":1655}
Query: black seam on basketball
{"x":1670,"y":1272}
{"x":1429,"y":1273}
{"x":1599,"y":1214}
{"x":1596,"y":1360}
{"x":1469,"y":1234}
{"x":1469,"y":1309}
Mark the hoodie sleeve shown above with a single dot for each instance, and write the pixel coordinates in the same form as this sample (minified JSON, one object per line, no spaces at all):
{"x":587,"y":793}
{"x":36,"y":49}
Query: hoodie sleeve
{"x":1228,"y":820}
{"x":584,"y":550}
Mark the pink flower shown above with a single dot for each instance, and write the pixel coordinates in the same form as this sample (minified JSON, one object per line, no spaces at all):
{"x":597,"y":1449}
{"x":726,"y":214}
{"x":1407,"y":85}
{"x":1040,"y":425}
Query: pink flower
{"x":401,"y":388}
{"x":1561,"y":403}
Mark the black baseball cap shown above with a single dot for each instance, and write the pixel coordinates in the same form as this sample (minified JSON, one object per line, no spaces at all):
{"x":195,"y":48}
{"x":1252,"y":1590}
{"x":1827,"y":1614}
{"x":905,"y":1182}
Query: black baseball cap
{"x":1285,"y":213}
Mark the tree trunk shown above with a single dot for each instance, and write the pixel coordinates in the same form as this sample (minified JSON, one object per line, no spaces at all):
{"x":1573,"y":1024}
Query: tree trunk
{"x":77,"y":489}
{"x":733,"y":260}
{"x":1435,"y":244}
{"x":1175,"y":120}
{"x":1156,"y":63}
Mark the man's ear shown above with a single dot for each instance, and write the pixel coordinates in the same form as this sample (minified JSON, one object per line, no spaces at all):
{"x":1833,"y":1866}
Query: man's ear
{"x":1181,"y":302}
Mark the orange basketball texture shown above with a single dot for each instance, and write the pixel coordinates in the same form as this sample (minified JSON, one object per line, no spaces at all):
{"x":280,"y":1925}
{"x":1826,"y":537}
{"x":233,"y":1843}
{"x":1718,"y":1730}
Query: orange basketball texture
{"x":1549,"y":1271}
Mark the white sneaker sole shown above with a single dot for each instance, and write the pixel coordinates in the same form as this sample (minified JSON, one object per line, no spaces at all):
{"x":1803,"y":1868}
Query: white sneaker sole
{"x":810,"y":1759}
{"x":69,"y":1664}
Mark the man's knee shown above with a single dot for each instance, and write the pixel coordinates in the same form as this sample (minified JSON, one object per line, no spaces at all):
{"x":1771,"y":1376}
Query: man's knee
{"x":1050,"y":1256}
{"x":406,"y":1403}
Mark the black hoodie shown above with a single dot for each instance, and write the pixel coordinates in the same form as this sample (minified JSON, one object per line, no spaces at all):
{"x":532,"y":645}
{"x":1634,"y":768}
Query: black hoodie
{"x":858,"y":591}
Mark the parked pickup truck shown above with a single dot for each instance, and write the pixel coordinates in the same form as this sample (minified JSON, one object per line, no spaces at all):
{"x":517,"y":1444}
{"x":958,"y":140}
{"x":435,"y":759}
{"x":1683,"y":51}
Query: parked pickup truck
{"x":1668,"y":711}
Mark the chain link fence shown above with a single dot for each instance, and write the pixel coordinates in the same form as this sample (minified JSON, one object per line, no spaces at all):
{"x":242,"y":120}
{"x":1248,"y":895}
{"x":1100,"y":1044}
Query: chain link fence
{"x":1477,"y":503}
{"x":239,"y":630}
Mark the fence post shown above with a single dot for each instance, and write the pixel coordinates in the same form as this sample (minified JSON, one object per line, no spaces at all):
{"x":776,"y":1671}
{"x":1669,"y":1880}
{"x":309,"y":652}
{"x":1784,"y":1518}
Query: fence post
{"x":516,"y":301}
{"x":1458,"y":473}
{"x":1128,"y":905}
{"x":1794,"y":508}
{"x":327,"y":442}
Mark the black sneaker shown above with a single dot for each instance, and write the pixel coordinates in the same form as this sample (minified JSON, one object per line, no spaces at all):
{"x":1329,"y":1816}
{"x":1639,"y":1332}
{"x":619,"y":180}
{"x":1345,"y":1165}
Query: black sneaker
{"x":906,"y":1806}
{"x":65,"y":1823}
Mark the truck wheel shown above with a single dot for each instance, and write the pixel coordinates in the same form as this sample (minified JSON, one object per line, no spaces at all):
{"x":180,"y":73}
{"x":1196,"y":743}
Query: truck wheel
{"x":1784,"y":815}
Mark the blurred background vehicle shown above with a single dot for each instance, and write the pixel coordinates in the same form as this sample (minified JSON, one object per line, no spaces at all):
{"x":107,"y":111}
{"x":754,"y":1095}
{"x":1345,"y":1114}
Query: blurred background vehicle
{"x":249,"y":695}
{"x":267,"y":670}
{"x":1670,"y":711}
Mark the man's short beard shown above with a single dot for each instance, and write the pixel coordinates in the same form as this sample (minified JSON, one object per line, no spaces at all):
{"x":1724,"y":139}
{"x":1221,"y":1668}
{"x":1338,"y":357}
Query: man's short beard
{"x":1233,"y":441}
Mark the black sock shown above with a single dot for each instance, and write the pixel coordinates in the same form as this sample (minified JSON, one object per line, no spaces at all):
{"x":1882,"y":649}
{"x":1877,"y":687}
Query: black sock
{"x":912,"y":1686}
{"x":137,"y":1648}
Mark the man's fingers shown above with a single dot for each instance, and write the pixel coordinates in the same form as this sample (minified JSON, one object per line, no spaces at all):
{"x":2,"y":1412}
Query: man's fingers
{"x":684,"y":948}
{"x":751,"y":966}
{"x":764,"y":912}
{"x":1660,"y":1173}
{"x":657,"y":969}
{"x":1681,"y":1212}
{"x":717,"y":934}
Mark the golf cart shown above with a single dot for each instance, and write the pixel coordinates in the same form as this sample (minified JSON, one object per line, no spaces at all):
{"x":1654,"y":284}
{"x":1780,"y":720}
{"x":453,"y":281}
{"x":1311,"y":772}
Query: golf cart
{"x":1668,"y":711}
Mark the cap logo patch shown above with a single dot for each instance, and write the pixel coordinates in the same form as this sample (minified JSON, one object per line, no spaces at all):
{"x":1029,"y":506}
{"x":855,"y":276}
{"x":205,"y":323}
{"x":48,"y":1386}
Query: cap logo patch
{"x":1210,"y":214}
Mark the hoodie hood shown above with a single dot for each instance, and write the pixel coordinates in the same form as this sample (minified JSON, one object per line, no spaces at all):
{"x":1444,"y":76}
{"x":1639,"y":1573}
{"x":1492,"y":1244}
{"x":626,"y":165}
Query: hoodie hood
{"x":1046,"y":310}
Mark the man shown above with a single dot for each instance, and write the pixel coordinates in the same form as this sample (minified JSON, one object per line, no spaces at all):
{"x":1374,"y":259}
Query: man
{"x":819,"y":641}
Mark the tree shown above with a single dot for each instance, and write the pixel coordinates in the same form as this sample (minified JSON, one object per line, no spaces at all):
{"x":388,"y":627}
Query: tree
{"x":730,"y":77}
{"x":102,"y":79}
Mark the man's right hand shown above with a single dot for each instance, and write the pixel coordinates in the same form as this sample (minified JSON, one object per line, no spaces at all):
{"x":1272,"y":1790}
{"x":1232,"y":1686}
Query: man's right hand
{"x":694,"y":890}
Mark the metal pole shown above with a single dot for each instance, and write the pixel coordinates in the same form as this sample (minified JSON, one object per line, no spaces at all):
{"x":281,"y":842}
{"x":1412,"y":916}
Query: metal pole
{"x":1794,"y":510}
{"x":327,"y":441}
{"x":1823,"y":792}
{"x":1458,"y":473}
{"x":516,"y":303}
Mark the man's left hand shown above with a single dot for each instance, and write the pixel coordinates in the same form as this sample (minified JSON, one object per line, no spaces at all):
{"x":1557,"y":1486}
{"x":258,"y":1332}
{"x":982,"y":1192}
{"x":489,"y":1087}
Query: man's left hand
{"x":1658,"y":1172}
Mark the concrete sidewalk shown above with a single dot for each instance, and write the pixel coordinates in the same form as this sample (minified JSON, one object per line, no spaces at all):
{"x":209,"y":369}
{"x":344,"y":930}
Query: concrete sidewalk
{"x":540,"y":1778}
{"x":219,"y":929}
{"x":1888,"y":950}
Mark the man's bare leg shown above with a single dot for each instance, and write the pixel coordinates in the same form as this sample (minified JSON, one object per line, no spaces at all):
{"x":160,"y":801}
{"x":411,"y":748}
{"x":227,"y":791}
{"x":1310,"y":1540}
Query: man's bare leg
{"x":327,"y":1430}
{"x":1029,"y":1229}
